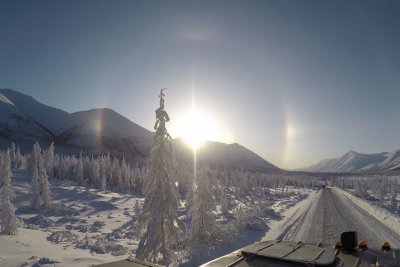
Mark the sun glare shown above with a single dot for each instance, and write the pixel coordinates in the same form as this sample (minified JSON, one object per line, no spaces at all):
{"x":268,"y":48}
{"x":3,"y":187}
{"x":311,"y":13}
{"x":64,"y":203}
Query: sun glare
{"x":197,"y":128}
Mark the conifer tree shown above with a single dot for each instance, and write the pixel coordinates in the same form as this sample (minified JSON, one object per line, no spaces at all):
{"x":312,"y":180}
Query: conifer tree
{"x":137,"y":179}
{"x":44,"y":186}
{"x":204,"y":229}
{"x":393,"y":199}
{"x":224,"y":202}
{"x":125,"y":184}
{"x":103,"y":178}
{"x":40,"y":189}
{"x":49,"y":160}
{"x":116,"y":173}
{"x":35,"y":190}
{"x":8,"y":220}
{"x":95,"y":172}
{"x":12,"y":155}
{"x":80,"y":175}
{"x":18,"y":158}
{"x":136,"y":208}
{"x":159,"y":214}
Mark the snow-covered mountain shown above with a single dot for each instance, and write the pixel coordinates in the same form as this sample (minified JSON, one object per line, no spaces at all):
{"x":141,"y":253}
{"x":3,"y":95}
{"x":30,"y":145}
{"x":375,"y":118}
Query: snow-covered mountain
{"x":24,"y":120}
{"x":357,"y":162}
{"x":16,"y":126}
{"x":232,"y":155}
{"x":96,"y":128}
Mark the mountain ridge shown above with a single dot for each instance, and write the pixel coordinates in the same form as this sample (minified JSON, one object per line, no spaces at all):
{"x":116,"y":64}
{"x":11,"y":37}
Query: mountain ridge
{"x":103,"y":129}
{"x":353,"y":161}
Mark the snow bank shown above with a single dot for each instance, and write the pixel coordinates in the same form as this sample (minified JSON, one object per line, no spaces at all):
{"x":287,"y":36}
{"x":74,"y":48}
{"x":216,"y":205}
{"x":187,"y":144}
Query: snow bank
{"x":382,"y":215}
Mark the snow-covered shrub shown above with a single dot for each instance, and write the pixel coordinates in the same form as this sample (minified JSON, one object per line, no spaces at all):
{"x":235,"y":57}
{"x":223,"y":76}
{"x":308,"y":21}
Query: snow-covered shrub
{"x":43,"y":261}
{"x":40,"y":221}
{"x":67,"y":219}
{"x":62,"y":236}
{"x":85,"y":243}
{"x":96,"y":226}
{"x":102,"y":246}
{"x":60,"y":209}
{"x":127,"y":230}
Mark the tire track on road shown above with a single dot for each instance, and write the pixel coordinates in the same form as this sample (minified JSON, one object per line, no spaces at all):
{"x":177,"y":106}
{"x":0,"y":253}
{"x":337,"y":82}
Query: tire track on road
{"x":333,"y":214}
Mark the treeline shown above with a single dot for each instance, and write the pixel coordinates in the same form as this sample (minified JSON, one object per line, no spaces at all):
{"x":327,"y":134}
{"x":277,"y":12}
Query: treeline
{"x":110,"y":173}
{"x":380,"y":187}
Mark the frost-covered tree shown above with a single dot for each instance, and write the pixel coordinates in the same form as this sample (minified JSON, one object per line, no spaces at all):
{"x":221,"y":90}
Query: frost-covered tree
{"x":136,"y":180}
{"x":95,"y":172}
{"x":103,"y":172}
{"x":116,"y":173}
{"x":19,"y":159}
{"x":125,"y":184}
{"x":136,"y":208}
{"x":40,"y":189}
{"x":393,"y":199}
{"x":159,"y":220}
{"x":35,"y":190}
{"x":8,"y":220}
{"x":204,"y":228}
{"x":13,"y":155}
{"x":49,"y":160}
{"x":44,"y":187}
{"x":80,"y":175}
{"x":223,"y":201}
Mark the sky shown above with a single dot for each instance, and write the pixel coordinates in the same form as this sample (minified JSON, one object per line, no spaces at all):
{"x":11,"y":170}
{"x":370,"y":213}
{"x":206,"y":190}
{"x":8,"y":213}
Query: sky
{"x":294,"y":81}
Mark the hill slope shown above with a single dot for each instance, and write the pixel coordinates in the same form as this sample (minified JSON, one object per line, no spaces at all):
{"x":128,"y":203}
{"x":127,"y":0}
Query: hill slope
{"x":16,"y":126}
{"x":355,"y":162}
{"x":97,"y":128}
{"x":24,"y":120}
{"x":232,"y":155}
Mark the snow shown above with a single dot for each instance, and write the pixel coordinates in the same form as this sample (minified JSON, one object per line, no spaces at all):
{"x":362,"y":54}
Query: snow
{"x":5,"y":100}
{"x":389,"y":219}
{"x":291,"y":214}
{"x":354,"y":162}
{"x":101,"y":215}
{"x":254,"y":226}
{"x":86,"y":127}
{"x":15,"y":125}
{"x":98,"y":213}
{"x":104,"y":128}
{"x":15,"y":250}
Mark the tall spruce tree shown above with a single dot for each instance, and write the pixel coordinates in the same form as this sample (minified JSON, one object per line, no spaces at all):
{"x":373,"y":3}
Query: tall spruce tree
{"x":40,"y":189}
{"x":49,"y":160}
{"x":204,"y":228}
{"x":8,"y":220}
{"x":125,"y":184}
{"x":159,"y":215}
{"x":35,"y":190}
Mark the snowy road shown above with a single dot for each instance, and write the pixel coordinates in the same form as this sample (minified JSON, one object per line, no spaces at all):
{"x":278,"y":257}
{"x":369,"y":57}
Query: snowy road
{"x":333,"y":213}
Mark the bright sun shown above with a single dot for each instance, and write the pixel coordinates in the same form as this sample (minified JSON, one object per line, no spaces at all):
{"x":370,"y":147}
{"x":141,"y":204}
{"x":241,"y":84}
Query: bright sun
{"x":197,"y":128}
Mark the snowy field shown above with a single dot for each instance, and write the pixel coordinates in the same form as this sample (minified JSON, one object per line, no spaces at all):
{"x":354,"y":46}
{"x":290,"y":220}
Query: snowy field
{"x":89,"y":226}
{"x":79,"y":215}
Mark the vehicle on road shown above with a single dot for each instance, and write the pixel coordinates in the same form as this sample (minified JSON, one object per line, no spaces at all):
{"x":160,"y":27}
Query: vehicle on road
{"x":346,"y":252}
